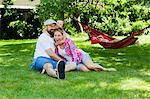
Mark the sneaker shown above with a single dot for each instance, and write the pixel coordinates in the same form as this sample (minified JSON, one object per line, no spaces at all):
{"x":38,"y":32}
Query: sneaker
{"x":61,"y":70}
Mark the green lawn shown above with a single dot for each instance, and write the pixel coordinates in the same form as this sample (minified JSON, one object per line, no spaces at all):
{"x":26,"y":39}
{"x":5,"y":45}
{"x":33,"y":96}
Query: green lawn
{"x":132,"y":80}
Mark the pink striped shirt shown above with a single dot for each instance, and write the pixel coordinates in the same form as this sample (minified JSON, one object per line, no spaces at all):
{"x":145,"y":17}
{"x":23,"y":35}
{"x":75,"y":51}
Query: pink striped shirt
{"x":71,"y":50}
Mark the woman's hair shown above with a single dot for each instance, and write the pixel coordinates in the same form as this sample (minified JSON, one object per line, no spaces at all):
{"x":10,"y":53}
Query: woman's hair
{"x":59,"y":30}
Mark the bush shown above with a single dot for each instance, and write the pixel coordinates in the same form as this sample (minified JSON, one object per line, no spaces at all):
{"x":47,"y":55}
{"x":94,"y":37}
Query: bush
{"x":19,"y":26}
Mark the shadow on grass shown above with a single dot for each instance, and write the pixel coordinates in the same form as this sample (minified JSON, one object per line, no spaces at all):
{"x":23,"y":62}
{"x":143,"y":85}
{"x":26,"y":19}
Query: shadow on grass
{"x":16,"y":55}
{"x":131,"y":79}
{"x":17,"y":48}
{"x":134,"y":56}
{"x":132,"y":61}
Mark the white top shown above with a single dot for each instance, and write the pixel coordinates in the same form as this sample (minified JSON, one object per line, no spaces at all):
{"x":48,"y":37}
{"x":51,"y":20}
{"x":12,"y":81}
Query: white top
{"x":64,"y":54}
{"x":44,"y":42}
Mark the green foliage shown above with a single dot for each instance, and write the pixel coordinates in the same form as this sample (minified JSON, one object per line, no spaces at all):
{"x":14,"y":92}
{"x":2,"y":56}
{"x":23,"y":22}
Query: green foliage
{"x":22,"y":27}
{"x":70,"y":29}
{"x":118,"y":17}
{"x":115,"y":17}
{"x":7,"y":2}
{"x":53,"y":9}
{"x":19,"y":25}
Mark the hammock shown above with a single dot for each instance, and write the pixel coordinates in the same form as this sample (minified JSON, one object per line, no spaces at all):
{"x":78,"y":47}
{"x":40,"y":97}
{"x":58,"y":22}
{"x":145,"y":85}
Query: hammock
{"x":109,"y":42}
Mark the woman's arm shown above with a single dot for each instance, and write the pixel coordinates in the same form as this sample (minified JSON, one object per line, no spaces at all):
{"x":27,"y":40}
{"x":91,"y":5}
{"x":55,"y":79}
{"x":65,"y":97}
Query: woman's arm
{"x":71,"y":50}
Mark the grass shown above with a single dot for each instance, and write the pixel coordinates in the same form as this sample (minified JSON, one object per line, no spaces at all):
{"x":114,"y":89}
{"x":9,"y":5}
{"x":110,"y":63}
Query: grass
{"x":132,"y":80}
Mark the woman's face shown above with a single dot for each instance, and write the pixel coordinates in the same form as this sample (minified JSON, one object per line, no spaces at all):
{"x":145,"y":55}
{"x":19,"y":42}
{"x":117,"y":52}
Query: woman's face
{"x":58,"y":36}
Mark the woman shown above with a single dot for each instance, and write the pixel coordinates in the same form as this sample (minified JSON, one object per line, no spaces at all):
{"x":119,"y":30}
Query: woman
{"x":69,"y":52}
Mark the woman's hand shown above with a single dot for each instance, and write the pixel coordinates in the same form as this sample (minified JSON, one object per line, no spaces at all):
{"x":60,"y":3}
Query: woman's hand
{"x":56,"y":44}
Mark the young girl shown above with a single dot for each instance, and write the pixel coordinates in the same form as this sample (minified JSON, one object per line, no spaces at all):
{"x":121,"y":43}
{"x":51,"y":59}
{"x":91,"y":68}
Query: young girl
{"x":69,"y":52}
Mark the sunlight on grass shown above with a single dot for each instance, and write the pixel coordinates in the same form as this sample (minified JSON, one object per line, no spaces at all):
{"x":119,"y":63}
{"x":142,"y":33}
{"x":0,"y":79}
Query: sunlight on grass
{"x":1,"y":60}
{"x":145,"y":72}
{"x":82,"y":86}
{"x":134,"y":84}
{"x":6,"y":54}
{"x":103,"y":84}
{"x":24,"y":50}
{"x":8,"y":42}
{"x":131,"y":81}
{"x":121,"y":54}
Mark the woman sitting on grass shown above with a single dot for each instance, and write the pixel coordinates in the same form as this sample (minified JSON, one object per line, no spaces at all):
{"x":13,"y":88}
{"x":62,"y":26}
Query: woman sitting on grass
{"x":70,"y":53}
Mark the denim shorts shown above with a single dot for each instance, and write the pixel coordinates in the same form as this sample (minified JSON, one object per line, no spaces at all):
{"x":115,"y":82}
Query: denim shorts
{"x":85,"y":57}
{"x":39,"y":62}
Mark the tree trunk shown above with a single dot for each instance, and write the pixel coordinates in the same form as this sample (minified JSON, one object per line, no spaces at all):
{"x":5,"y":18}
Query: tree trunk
{"x":77,"y":24}
{"x":86,"y":22}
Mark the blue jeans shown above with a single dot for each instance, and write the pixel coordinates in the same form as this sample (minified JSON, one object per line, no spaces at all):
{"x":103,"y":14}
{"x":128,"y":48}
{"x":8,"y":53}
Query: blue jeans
{"x":39,"y":62}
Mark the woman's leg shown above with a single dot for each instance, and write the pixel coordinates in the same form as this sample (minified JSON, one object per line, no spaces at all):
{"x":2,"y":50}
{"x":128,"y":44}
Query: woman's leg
{"x":87,"y":61}
{"x":70,"y":66}
{"x":97,"y":67}
{"x":89,"y":64}
{"x":82,"y":67}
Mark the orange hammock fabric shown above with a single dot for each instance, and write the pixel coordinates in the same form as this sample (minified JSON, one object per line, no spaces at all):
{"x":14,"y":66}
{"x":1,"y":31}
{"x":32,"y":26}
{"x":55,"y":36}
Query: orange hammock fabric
{"x":109,"y":42}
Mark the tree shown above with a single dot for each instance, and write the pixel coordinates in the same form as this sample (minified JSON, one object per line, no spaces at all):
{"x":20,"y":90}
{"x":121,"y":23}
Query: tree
{"x":115,"y":17}
{"x":63,"y":9}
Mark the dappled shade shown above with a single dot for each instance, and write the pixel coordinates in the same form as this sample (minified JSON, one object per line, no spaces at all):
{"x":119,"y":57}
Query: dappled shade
{"x":132,"y":76}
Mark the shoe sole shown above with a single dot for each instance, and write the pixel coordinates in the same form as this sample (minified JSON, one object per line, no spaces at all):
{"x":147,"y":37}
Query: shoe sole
{"x":61,"y":70}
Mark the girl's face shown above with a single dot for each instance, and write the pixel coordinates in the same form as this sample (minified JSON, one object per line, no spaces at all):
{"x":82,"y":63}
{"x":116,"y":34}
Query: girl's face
{"x":58,"y":36}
